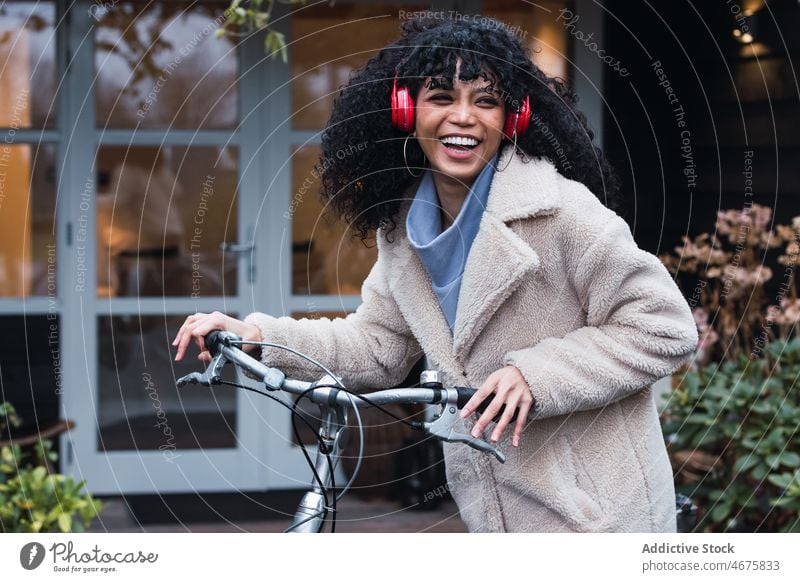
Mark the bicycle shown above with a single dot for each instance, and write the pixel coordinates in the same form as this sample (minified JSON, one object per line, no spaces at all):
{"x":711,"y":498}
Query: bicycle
{"x":335,"y":401}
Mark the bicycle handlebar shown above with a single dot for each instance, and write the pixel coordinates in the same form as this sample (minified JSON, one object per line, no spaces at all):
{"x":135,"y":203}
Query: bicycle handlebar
{"x":221,"y":345}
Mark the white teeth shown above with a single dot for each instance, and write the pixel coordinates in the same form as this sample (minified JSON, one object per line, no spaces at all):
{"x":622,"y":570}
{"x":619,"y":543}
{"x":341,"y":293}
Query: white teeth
{"x":462,"y":141}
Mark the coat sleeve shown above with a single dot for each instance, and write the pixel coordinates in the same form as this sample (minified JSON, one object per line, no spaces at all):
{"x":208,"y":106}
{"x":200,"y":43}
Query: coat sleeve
{"x":370,"y":349}
{"x":639,"y":327}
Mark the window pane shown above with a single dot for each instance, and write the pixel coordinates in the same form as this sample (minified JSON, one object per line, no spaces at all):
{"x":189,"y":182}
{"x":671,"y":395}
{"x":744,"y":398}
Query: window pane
{"x":537,"y":25}
{"x":159,"y":64}
{"x":325,"y":259}
{"x":31,"y":369}
{"x":27,"y":64}
{"x":139,"y":404}
{"x":161,"y":217}
{"x":27,"y":220}
{"x":329,"y":42}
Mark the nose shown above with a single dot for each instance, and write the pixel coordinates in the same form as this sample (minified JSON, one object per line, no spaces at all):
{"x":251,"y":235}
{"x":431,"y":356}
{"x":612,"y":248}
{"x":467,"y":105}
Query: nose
{"x":462,"y":112}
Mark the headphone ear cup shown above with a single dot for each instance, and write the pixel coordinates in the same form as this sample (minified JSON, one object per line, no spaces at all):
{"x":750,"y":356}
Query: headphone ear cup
{"x":402,"y":108}
{"x":524,"y":116}
{"x":510,"y":125}
{"x":518,"y":121}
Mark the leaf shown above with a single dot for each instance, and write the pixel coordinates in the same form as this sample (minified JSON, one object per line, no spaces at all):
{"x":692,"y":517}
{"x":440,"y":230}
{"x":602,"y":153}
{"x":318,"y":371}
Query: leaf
{"x":790,"y":459}
{"x":744,"y":464}
{"x":65,"y":522}
{"x":773,"y":460}
{"x":782,"y":480}
{"x":276,"y":41}
{"x":719,"y":392}
{"x":793,"y":345}
{"x":759,"y":472}
{"x":715,"y":494}
{"x":721,"y":511}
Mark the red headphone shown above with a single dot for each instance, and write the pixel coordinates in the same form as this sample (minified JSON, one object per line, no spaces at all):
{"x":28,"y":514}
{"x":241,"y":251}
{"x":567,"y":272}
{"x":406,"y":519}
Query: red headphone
{"x":403,"y":113}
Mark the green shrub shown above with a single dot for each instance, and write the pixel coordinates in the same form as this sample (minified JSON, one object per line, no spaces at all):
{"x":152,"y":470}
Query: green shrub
{"x":34,"y":499}
{"x":736,"y":425}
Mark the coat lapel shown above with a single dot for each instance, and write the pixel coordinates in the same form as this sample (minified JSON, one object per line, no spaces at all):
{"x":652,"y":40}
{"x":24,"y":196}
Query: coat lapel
{"x":498,"y":261}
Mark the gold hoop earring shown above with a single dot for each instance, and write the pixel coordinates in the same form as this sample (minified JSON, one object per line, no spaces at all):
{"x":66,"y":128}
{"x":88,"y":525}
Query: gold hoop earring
{"x":513,"y":153}
{"x":405,"y":143}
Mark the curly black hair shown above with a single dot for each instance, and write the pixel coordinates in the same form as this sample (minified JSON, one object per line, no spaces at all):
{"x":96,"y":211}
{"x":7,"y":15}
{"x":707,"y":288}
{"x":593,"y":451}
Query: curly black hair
{"x":364,"y":190}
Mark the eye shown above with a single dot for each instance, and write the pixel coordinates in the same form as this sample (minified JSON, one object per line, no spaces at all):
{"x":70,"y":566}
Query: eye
{"x":483,"y":100}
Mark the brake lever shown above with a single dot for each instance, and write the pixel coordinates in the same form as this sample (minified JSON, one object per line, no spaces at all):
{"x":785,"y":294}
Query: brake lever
{"x":442,"y":427}
{"x":210,"y":377}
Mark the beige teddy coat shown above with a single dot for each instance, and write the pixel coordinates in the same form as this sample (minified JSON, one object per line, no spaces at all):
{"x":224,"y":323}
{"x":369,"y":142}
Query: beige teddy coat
{"x":555,"y":285}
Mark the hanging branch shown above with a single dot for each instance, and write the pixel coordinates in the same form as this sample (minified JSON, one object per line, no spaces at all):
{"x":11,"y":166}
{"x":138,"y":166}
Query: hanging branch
{"x":243,"y":18}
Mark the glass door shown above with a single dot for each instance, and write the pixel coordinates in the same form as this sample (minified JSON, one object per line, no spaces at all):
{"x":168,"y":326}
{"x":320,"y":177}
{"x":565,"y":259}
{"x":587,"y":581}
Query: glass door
{"x":160,"y":190}
{"x":30,"y":359}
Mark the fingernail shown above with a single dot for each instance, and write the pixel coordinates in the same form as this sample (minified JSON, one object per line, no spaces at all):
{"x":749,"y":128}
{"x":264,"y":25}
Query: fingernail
{"x":464,"y":413}
{"x":515,"y":442}
{"x":476,"y":433}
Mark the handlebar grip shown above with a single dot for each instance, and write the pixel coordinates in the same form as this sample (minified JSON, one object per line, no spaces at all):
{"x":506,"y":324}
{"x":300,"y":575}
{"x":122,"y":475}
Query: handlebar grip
{"x":213,"y":341}
{"x":464,"y":394}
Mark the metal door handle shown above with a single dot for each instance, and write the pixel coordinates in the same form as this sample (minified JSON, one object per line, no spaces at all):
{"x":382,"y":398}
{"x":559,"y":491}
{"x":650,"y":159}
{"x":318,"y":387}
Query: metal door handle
{"x":230,"y":247}
{"x":239,"y":248}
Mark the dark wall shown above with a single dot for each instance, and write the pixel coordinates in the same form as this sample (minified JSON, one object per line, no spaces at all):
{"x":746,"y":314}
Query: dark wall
{"x":735,"y":97}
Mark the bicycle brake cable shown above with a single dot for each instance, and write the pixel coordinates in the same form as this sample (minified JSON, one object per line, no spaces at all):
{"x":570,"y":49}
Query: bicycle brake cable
{"x":322,"y":445}
{"x":416,"y":425}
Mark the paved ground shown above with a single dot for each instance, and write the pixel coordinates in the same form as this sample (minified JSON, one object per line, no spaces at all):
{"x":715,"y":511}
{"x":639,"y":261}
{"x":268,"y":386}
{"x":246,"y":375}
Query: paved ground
{"x":354,"y":516}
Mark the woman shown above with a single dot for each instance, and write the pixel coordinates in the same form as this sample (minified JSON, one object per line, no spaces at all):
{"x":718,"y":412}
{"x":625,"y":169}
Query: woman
{"x":502,"y":266}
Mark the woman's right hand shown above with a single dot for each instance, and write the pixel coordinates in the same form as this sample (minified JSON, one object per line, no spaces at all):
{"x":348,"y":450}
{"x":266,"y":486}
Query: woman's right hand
{"x":199,"y":325}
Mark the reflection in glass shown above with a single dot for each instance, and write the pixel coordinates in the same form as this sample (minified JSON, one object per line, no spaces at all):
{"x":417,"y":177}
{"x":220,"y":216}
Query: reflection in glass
{"x":27,"y":221}
{"x":161,"y":216}
{"x":159,"y":64}
{"x":139,"y":404}
{"x":537,"y":23}
{"x":328,"y":43}
{"x":27,"y":64}
{"x":325,"y":259}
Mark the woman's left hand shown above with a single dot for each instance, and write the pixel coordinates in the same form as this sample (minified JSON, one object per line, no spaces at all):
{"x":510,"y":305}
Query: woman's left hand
{"x":511,"y":389}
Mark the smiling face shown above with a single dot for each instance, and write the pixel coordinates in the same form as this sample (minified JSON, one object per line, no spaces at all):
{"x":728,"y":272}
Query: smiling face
{"x":459,"y":129}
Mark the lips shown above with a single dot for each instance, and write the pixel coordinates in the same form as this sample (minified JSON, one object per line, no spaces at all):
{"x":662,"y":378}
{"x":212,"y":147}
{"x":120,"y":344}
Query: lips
{"x":459,"y":153}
